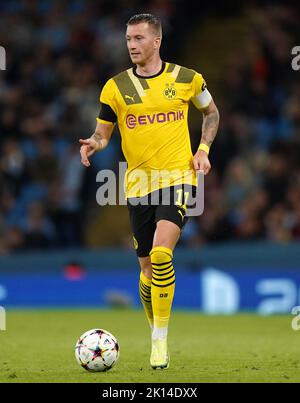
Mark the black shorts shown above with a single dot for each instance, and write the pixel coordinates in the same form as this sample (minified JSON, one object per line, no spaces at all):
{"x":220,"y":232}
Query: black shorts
{"x":164,"y":204}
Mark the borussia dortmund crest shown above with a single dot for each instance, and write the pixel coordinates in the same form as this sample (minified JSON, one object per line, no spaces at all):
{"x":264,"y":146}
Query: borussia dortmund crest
{"x":170,"y":91}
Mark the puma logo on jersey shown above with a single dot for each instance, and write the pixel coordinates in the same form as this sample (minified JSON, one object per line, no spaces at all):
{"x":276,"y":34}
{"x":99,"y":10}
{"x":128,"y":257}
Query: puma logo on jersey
{"x":129,"y":97}
{"x":180,"y":212}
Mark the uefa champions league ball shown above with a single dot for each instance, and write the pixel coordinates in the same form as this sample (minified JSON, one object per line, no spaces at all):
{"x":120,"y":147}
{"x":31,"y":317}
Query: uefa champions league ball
{"x":97,"y":350}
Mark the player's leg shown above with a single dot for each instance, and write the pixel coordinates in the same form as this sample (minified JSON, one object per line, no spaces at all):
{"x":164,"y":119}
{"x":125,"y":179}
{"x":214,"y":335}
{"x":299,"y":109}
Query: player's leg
{"x":142,"y":220}
{"x":162,"y":290}
{"x":163,"y":276}
{"x":170,"y":219}
{"x":145,"y":287}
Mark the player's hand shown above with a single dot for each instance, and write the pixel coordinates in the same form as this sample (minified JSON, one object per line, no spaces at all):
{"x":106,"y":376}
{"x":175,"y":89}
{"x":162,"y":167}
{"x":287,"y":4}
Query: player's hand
{"x":88,"y":148}
{"x":201,"y":162}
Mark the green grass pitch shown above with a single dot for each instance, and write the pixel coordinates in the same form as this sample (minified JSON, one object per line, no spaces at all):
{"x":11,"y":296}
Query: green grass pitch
{"x":38,"y":346}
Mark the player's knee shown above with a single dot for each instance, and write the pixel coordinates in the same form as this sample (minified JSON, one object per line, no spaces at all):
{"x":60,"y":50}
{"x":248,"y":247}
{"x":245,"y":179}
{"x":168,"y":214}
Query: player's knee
{"x":146,"y":267}
{"x":147,"y":271}
{"x":161,"y":255}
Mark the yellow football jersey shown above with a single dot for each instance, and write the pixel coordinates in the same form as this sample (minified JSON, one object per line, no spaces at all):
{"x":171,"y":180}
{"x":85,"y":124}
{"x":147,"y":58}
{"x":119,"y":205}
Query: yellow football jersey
{"x":152,"y":115}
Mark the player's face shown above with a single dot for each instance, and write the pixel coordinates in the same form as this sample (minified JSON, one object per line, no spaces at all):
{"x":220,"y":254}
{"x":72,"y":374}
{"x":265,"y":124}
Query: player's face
{"x":142,"y":42}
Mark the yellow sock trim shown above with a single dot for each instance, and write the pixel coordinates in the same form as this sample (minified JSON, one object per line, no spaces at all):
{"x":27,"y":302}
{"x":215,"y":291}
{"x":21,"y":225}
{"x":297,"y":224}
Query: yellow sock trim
{"x":145,"y":280}
{"x":168,"y":251}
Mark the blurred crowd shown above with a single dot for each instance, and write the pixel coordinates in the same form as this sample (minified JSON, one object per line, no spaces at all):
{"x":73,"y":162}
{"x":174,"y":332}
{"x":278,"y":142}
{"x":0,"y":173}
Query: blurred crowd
{"x":253,"y":191}
{"x":59,"y":53}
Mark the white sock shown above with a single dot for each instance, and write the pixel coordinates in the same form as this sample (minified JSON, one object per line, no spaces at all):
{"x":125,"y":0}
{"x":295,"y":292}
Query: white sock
{"x":159,"y":333}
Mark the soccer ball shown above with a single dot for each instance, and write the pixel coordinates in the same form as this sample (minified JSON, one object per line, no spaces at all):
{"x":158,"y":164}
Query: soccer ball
{"x":97,"y":350}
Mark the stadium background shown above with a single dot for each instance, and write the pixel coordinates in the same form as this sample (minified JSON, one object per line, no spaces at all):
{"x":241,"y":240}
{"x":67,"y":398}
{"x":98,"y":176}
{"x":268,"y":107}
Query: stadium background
{"x":58,"y":247}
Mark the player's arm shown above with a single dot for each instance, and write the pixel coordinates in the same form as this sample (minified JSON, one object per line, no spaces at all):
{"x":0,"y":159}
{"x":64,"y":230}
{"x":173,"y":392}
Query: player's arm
{"x":210,"y":126}
{"x":97,"y":142}
{"x":105,"y":125}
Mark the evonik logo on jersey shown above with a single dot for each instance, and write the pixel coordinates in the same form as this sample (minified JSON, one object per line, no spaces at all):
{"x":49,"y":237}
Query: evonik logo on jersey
{"x":132,"y":121}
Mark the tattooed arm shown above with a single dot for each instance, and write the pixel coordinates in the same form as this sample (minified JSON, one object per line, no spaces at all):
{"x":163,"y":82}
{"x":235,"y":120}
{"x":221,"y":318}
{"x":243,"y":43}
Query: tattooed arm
{"x":98,"y":141}
{"x":210,"y":124}
{"x":209,"y":130}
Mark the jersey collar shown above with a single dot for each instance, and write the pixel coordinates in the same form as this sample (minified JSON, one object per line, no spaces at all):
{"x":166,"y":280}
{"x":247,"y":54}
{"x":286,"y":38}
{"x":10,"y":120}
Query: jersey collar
{"x":154,"y":75}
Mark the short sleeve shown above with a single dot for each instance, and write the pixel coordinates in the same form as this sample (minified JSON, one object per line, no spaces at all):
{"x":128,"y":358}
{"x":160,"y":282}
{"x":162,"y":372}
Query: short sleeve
{"x":107,"y":104}
{"x":201,"y":97}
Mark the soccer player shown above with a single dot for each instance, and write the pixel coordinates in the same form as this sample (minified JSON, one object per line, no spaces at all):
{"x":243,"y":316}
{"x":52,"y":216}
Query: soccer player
{"x":150,"y":104}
